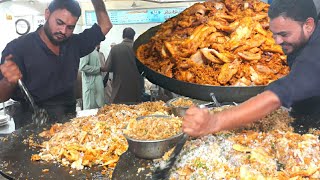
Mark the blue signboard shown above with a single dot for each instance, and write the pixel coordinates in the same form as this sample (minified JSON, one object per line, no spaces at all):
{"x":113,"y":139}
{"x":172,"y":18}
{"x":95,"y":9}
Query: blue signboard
{"x":136,"y":16}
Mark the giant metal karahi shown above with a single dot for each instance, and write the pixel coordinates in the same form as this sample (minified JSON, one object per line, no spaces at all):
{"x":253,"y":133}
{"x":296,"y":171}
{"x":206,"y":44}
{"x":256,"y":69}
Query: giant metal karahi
{"x":217,"y":43}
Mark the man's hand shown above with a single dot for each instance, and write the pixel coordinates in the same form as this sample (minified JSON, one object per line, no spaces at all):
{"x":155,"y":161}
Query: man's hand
{"x":10,"y":70}
{"x":198,"y":122}
{"x":11,"y":74}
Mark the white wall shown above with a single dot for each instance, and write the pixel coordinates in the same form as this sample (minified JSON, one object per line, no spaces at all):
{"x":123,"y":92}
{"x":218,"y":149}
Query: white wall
{"x":16,"y":10}
{"x":115,"y":35}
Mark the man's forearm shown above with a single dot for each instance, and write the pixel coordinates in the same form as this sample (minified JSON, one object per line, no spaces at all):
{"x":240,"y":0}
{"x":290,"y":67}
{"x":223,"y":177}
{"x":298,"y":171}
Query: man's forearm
{"x":6,"y":90}
{"x":248,"y":112}
{"x":102,"y":16}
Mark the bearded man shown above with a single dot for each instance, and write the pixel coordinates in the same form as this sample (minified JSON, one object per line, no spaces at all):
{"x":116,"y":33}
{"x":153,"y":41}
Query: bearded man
{"x":295,"y":27}
{"x":47,"y":60}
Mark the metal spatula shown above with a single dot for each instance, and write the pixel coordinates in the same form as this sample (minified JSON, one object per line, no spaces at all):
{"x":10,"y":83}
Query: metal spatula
{"x":39,"y":116}
{"x":162,"y":172}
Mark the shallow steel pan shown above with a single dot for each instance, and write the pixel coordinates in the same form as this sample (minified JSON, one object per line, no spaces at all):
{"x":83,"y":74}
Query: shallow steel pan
{"x":196,"y":91}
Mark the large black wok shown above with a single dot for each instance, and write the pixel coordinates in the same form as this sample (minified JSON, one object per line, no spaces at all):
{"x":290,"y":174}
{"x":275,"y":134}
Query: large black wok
{"x":197,"y":91}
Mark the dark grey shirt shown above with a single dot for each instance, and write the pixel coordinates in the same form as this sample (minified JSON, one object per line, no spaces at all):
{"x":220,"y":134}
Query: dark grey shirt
{"x":127,"y":84}
{"x":300,"y":89}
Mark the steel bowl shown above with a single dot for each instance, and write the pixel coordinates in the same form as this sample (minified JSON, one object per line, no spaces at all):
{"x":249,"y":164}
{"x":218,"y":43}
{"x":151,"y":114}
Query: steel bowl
{"x":181,"y":110}
{"x":152,"y":149}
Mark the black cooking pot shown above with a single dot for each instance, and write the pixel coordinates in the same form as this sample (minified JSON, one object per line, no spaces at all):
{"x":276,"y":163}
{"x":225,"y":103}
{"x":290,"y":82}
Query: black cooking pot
{"x":196,"y":91}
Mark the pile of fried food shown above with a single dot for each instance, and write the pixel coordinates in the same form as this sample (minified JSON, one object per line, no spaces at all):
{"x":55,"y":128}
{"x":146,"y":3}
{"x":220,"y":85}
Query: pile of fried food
{"x":248,"y":155}
{"x":93,"y":140}
{"x":265,"y":149}
{"x":225,"y":43}
{"x":268,"y":149}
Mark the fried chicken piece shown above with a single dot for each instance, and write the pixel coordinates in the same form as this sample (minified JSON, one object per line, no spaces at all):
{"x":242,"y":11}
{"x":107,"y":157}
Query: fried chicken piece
{"x":242,"y":82}
{"x":166,"y":69}
{"x":252,"y":43}
{"x":227,"y":71}
{"x":216,"y":37}
{"x":208,"y":54}
{"x":246,"y":55}
{"x":224,"y":56}
{"x":185,"y":76}
{"x":273,"y":48}
{"x":222,"y":24}
{"x":229,"y":18}
{"x":242,"y":32}
{"x":198,"y":57}
{"x":259,"y":6}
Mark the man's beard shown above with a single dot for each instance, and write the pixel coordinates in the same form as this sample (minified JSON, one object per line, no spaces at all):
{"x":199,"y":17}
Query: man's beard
{"x":50,"y":35}
{"x":297,"y":45}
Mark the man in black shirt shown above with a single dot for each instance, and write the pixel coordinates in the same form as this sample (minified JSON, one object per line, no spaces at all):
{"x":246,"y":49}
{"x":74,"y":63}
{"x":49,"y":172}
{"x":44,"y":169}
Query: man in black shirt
{"x":127,"y":83}
{"x":47,"y":60}
{"x":294,"y":27}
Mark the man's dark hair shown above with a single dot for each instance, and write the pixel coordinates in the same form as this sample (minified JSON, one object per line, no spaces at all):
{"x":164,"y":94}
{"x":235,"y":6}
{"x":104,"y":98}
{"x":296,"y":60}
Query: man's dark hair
{"x":128,"y":33}
{"x":71,"y":5}
{"x":297,"y":10}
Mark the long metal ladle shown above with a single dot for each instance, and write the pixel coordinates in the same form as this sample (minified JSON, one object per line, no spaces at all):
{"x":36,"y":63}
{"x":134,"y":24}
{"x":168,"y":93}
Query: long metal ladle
{"x":39,"y":116}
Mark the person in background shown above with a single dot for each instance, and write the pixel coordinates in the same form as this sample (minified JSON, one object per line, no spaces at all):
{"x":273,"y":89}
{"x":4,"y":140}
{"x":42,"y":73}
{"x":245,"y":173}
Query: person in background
{"x":127,"y":83}
{"x":107,"y":81}
{"x":92,"y":81}
{"x":47,"y":60}
{"x":295,"y":27}
{"x":102,"y":59}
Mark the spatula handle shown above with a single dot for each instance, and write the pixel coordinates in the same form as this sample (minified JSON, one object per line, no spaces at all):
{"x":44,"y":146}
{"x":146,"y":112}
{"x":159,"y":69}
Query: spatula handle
{"x":26,"y":91}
